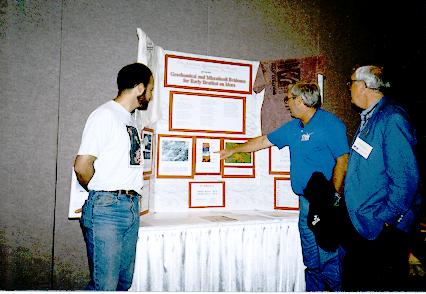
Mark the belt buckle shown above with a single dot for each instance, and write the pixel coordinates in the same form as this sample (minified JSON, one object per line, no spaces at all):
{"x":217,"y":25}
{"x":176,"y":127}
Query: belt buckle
{"x":129,"y":193}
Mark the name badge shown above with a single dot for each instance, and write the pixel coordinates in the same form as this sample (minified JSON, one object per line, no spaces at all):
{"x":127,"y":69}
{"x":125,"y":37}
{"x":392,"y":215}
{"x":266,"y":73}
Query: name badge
{"x":362,"y":148}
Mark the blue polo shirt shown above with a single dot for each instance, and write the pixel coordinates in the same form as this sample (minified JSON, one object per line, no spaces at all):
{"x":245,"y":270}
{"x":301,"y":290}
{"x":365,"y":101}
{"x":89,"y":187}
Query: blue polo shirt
{"x":313,"y":147}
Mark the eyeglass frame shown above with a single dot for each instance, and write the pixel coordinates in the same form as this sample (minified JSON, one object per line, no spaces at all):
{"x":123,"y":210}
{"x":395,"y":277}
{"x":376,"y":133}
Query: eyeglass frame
{"x":350,"y":82}
{"x":286,"y":98}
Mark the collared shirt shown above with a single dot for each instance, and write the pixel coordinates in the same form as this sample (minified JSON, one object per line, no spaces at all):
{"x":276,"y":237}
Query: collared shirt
{"x":313,"y":147}
{"x":366,"y":114}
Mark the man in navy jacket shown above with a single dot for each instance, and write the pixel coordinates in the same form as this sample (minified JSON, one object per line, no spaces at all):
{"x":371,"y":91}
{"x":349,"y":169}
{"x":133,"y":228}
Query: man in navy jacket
{"x":381,"y":188}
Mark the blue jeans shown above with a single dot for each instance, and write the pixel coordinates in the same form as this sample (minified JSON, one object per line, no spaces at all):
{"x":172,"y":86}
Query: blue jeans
{"x":323,"y":269}
{"x":110,"y":225}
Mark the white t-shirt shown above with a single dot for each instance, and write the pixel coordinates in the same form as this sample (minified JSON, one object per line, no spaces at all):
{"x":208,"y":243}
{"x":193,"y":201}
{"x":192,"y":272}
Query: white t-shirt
{"x":111,"y":135}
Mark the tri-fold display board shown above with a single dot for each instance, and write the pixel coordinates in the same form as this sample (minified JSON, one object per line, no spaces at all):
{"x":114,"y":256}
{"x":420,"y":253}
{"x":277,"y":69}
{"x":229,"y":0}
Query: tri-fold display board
{"x":202,"y":104}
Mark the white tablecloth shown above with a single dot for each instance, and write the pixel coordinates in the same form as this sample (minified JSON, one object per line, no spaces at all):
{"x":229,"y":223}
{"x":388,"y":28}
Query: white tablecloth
{"x":227,"y":251}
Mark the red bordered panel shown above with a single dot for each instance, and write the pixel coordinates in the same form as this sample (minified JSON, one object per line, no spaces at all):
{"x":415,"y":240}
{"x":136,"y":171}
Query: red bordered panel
{"x":148,"y":140}
{"x":175,"y":156}
{"x":214,"y":197}
{"x":240,"y":165}
{"x":284,"y":198}
{"x":209,"y":119}
{"x":207,"y":162}
{"x":279,"y":169}
{"x":224,"y":84}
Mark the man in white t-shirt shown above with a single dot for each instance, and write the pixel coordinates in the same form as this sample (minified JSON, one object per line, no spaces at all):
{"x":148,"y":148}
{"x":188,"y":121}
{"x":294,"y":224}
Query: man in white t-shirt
{"x":109,"y":166}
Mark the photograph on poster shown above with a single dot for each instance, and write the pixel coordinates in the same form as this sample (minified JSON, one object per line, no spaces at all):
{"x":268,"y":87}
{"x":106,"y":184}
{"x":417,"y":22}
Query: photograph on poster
{"x":207,"y":162}
{"x":189,"y":72}
{"x":175,"y":157}
{"x":147,"y":136}
{"x":239,"y":165}
{"x":206,"y":194}
{"x":144,"y":199}
{"x":215,"y":113}
{"x":279,"y":160}
{"x":284,"y":197}
{"x":240,"y":159}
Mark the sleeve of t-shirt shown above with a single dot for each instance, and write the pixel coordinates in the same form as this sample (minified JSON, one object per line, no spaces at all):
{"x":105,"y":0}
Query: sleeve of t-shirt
{"x":279,"y":137}
{"x":95,"y":133}
{"x":337,"y":139}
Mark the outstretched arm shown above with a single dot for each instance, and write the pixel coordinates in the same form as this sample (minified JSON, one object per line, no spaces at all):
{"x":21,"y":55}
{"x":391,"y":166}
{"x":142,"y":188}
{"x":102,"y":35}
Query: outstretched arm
{"x":251,"y":145}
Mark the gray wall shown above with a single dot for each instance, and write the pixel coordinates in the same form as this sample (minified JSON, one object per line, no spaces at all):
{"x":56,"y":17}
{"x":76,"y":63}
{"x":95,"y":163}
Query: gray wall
{"x":59,"y":59}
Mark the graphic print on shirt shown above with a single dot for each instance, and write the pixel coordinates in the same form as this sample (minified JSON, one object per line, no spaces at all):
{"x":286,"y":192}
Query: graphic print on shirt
{"x":306,"y":137}
{"x":135,"y":146}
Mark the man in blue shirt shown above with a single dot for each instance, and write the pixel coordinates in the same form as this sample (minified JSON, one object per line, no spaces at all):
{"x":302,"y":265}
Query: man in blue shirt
{"x":381,"y":188}
{"x":318,"y":143}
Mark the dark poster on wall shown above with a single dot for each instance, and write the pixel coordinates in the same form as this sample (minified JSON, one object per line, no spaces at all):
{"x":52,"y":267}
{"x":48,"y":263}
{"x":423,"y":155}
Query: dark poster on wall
{"x":274,"y":76}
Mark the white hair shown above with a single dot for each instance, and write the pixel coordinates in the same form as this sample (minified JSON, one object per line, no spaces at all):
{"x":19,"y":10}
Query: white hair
{"x":372,"y":76}
{"x":309,"y":92}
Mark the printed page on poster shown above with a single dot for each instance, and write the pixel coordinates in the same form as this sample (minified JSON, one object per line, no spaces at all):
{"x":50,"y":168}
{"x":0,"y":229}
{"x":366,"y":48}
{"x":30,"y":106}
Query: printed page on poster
{"x":206,"y":194}
{"x":215,"y":113}
{"x":219,"y":218}
{"x":77,"y":197}
{"x":284,"y":195}
{"x":279,"y":160}
{"x":196,"y":72}
{"x":175,"y":157}
{"x":207,"y":162}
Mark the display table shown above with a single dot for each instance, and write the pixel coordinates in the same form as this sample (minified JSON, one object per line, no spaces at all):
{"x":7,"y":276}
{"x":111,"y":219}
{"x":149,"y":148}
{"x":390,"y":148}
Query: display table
{"x":219,"y":251}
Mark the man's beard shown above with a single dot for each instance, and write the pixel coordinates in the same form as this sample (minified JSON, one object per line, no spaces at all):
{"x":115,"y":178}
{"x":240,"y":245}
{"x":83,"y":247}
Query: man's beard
{"x":142,"y":102}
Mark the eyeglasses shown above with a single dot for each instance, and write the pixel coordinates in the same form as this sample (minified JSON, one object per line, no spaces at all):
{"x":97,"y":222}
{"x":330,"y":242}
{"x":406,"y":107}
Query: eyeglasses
{"x":286,"y":98}
{"x":350,"y":82}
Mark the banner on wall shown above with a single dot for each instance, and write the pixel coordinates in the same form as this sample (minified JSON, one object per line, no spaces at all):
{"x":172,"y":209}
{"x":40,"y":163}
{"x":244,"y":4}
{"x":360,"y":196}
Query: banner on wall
{"x":274,"y":76}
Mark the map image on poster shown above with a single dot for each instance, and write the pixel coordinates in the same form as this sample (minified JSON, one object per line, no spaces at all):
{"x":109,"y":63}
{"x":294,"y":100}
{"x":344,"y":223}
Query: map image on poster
{"x":240,"y":157}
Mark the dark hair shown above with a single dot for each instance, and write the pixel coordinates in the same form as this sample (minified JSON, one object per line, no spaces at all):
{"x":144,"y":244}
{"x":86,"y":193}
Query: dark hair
{"x":131,"y":75}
